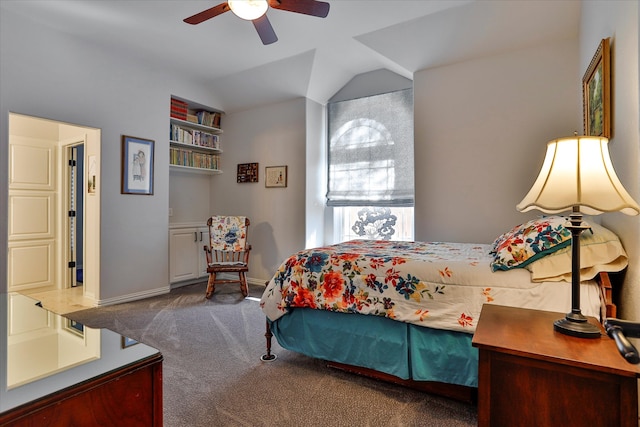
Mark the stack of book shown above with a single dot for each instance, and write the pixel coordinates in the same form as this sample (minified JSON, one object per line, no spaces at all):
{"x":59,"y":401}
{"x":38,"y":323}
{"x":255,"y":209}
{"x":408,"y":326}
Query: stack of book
{"x":207,"y":118}
{"x":194,"y":159}
{"x":194,"y":137}
{"x":178,"y":109}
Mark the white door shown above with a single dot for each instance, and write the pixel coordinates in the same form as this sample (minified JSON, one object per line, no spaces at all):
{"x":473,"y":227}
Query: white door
{"x":32,"y":235}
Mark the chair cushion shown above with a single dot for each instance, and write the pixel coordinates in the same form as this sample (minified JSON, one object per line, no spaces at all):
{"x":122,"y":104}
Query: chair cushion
{"x":228,"y":233}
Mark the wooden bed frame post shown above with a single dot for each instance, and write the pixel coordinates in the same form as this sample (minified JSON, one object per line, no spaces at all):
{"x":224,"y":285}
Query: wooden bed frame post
{"x":268,"y":357}
{"x":607,"y":292}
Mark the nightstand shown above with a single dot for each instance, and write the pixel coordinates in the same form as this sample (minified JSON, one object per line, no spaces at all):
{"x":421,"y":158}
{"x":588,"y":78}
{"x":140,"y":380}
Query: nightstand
{"x":531,"y":375}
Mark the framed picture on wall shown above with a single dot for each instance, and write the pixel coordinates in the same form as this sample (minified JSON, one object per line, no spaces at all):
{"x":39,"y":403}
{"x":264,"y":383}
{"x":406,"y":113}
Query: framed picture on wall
{"x":247,"y":172}
{"x":137,"y":165}
{"x":596,"y":93}
{"x":275,"y":176}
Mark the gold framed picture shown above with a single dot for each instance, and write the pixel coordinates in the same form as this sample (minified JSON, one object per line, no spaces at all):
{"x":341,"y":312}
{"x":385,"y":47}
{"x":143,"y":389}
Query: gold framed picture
{"x":596,"y":93}
{"x":275,"y":176}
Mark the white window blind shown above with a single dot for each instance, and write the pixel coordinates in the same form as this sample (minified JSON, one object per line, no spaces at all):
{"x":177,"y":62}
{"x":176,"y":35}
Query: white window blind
{"x":371,"y":151}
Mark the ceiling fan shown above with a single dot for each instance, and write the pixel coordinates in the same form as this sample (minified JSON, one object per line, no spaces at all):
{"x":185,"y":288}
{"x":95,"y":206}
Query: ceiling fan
{"x":255,"y":11}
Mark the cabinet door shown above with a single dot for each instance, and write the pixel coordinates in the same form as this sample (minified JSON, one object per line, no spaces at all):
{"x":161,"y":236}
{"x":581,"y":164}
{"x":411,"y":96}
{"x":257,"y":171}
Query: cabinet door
{"x":203,"y":239}
{"x":183,"y":258}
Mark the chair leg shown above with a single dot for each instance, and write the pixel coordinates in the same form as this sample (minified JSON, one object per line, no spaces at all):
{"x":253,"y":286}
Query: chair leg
{"x":243,"y":284}
{"x":211,"y":285}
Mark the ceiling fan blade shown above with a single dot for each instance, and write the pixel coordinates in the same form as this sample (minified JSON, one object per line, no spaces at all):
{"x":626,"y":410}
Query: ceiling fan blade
{"x":265,"y":30}
{"x":207,"y":14}
{"x":307,"y":7}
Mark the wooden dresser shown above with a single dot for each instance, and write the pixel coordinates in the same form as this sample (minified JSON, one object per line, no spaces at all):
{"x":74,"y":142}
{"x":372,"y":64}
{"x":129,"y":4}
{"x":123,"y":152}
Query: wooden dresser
{"x":118,"y":383}
{"x":530,"y":375}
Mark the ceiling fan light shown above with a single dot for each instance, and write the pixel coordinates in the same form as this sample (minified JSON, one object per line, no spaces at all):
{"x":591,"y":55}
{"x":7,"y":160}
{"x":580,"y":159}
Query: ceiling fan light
{"x":248,"y":9}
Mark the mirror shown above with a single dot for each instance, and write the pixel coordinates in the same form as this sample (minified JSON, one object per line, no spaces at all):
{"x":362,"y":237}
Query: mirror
{"x":46,"y":352}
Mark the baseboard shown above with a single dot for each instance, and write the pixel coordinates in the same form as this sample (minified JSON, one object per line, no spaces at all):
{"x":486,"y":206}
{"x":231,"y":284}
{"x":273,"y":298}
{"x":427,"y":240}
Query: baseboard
{"x":257,"y":282}
{"x":203,"y":280}
{"x":134,"y":296}
{"x":165,"y":290}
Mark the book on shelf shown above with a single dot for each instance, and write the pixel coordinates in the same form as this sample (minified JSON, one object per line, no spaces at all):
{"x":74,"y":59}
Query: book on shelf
{"x":193,"y":159}
{"x":194,"y":137}
{"x":208,"y":118}
{"x":179,"y":116}
{"x":178,"y":109}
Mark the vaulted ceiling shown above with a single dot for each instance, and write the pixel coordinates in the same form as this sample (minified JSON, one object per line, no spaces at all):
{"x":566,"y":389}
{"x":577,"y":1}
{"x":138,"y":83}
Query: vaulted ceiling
{"x":313,"y":57}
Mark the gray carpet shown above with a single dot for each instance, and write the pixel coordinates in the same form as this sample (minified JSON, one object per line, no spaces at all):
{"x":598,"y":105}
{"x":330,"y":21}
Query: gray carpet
{"x":213,"y":375}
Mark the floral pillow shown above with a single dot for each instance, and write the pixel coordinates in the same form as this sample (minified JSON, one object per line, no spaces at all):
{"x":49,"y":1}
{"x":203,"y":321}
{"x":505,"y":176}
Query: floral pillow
{"x":530,"y":241}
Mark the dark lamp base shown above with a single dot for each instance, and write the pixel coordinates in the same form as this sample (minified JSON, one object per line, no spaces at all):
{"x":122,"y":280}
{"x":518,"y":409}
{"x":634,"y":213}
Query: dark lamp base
{"x":576,"y":328}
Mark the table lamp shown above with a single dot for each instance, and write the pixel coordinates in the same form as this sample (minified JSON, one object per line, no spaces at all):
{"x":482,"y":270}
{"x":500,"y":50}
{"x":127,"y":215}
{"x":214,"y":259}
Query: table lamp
{"x":577,"y":174}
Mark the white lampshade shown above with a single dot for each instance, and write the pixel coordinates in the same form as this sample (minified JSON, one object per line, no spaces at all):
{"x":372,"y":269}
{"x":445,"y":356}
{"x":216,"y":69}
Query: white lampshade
{"x":248,"y":9}
{"x":577,"y":172}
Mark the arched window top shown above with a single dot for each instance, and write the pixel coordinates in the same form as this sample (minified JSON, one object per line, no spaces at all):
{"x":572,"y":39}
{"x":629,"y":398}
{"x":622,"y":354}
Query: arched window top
{"x":361,"y":133}
{"x":371,"y":150}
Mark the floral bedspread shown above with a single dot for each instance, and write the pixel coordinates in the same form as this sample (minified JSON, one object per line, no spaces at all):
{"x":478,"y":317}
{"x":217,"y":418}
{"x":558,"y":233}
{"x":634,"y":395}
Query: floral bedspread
{"x":434,"y":284}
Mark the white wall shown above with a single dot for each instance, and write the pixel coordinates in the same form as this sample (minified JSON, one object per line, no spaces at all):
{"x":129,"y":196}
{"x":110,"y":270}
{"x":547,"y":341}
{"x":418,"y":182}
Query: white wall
{"x":316,"y":172}
{"x":189,"y":196}
{"x":274,"y":135}
{"x":45,"y":73}
{"x":619,"y":21}
{"x":481,"y":129}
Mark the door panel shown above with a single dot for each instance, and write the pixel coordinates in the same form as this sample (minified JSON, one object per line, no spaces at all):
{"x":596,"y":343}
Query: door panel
{"x":30,"y":265}
{"x":31,"y":215}
{"x":32,"y":164}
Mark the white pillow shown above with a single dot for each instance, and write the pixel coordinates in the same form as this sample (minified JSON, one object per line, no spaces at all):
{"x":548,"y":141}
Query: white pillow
{"x":600,"y":250}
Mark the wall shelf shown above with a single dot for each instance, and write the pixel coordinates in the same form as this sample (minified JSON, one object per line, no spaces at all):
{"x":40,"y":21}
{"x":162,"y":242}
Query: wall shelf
{"x":194,"y":137}
{"x":194,"y":147}
{"x":191,"y":169}
{"x":197,"y":126}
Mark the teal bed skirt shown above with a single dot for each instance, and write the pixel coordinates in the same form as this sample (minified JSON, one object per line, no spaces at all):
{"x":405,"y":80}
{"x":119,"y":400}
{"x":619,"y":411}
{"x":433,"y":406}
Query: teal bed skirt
{"x":401,"y":349}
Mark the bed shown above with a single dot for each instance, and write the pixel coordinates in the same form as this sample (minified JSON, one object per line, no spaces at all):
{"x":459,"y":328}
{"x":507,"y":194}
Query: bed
{"x":406,"y":311}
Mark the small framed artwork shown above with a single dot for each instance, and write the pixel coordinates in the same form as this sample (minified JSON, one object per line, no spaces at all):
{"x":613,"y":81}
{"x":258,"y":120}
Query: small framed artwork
{"x":247,"y":172}
{"x":128,"y":342}
{"x":137,"y":165}
{"x":275,"y":176}
{"x":596,"y":93}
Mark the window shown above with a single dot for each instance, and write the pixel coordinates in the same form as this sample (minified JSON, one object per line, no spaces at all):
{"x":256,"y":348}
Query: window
{"x":372,"y":223}
{"x":371,"y":166}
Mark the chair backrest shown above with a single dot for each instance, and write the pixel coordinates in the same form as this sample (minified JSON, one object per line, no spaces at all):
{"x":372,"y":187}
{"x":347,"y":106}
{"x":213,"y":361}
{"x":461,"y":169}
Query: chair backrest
{"x":228,"y":233}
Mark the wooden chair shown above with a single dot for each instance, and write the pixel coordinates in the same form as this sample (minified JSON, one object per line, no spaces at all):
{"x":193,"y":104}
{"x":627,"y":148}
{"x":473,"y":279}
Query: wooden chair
{"x":228,"y":251}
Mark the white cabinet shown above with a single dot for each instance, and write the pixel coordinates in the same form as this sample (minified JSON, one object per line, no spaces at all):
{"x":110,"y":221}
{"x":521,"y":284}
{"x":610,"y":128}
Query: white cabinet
{"x":187,"y":261}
